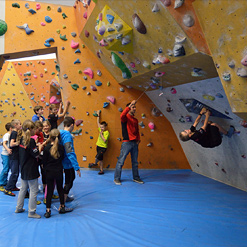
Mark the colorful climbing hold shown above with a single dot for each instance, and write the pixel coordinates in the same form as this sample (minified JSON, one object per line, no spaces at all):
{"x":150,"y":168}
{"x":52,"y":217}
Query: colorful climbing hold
{"x":93,"y":88}
{"x":78,"y":122}
{"x":226,"y":76}
{"x":86,"y":33}
{"x":89,"y":72}
{"x":111,"y":99}
{"x":26,"y":28}
{"x":173,"y":91}
{"x":74,"y":44}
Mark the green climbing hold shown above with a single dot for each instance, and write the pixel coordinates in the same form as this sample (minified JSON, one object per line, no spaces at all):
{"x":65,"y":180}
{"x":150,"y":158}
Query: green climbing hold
{"x":57,"y":68}
{"x":64,"y":15}
{"x":63,"y":37}
{"x":3,"y":27}
{"x":53,"y":73}
{"x":77,"y":132}
{"x":16,"y":5}
{"x":75,"y":86}
{"x":117,"y":61}
{"x":208,"y":97}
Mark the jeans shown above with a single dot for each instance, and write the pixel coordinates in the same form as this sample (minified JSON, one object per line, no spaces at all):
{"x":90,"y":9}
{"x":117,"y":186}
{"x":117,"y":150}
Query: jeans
{"x":5,"y":171}
{"x":14,"y":167}
{"x":34,"y":188}
{"x":126,"y":148}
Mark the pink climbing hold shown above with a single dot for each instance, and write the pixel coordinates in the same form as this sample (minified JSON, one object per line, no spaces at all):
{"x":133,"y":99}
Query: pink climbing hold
{"x":111,"y":99}
{"x":35,"y":76}
{"x":74,"y":44}
{"x":88,"y":72}
{"x":93,"y":88}
{"x":42,"y":99}
{"x":166,"y":2}
{"x":42,"y":62}
{"x":151,"y":125}
{"x":78,"y":122}
{"x":244,"y":61}
{"x":173,"y":91}
{"x":85,"y":15}
{"x":159,"y":74}
{"x":54,"y":100}
{"x":103,"y":43}
{"x":42,"y":24}
{"x":132,"y":65}
{"x":38,"y":6}
{"x":41,"y":75}
{"x":86,"y":33}
{"x":100,"y":16}
{"x":163,"y":59}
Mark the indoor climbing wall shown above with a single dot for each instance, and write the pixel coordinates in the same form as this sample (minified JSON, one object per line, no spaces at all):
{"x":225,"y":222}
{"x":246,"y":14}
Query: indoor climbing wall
{"x":225,"y":163}
{"x":85,"y":82}
{"x":223,"y":23}
{"x":151,"y":45}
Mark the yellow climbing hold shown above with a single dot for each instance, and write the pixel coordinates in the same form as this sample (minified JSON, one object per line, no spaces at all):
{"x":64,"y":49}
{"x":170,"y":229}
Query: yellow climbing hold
{"x":208,"y":97}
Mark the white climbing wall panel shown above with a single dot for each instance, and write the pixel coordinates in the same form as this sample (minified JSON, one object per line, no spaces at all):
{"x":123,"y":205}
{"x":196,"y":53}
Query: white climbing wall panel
{"x":2,"y":17}
{"x":226,"y":163}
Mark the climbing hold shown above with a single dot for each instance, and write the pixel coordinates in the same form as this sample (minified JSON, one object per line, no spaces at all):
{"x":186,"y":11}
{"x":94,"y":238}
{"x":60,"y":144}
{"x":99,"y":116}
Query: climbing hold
{"x":126,"y":40}
{"x":156,"y":8}
{"x":93,"y":88}
{"x":64,"y":15}
{"x":173,"y":91}
{"x":120,"y":109}
{"x":54,"y":100}
{"x":42,"y":24}
{"x":138,"y":24}
{"x":59,"y":9}
{"x":100,"y":16}
{"x":16,"y":5}
{"x":169,"y":109}
{"x":118,"y":26}
{"x":167,"y":2}
{"x":77,"y":61}
{"x":119,"y":36}
{"x":73,"y":34}
{"x":78,"y":122}
{"x":231,"y":64}
{"x":159,"y":74}
{"x":101,"y":30}
{"x":32,"y":11}
{"x":95,"y":114}
{"x":219,"y":95}
{"x":85,"y":78}
{"x":180,"y":39}
{"x":243,"y":123}
{"x":77,"y":132}
{"x":110,"y":18}
{"x":110,"y":29}
{"x":103,"y":43}
{"x":85,"y":15}
{"x":47,"y":42}
{"x":65,"y":76}
{"x":105,"y":104}
{"x":88,"y":93}
{"x":121,"y":89}
{"x":3,"y":28}
{"x":146,"y":65}
{"x":63,"y":37}
{"x":242,"y":72}
{"x":188,"y":118}
{"x":150,"y":144}
{"x":38,"y":6}
{"x":98,"y":83}
{"x":156,"y":112}
{"x":75,"y":86}
{"x":57,"y":68}
{"x":188,"y":20}
{"x":74,"y":44}
{"x":244,"y":61}
{"x":84,"y":88}
{"x":26,"y":28}
{"x":226,"y":76}
{"x":111,"y":99}
{"x":208,"y":97}
{"x":77,"y":51}
{"x":243,"y":156}
{"x":27,"y":5}
{"x":48,"y":19}
{"x":48,"y":8}
{"x":142,"y":125}
{"x":178,"y":3}
{"x":178,"y":50}
{"x":86,"y":33}
{"x":223,"y":170}
{"x":163,"y":59}
{"x":64,"y":27}
{"x":88,"y":72}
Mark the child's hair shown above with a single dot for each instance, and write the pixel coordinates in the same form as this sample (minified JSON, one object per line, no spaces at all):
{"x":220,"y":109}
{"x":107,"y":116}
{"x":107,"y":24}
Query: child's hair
{"x":54,"y":137}
{"x":26,"y":127}
{"x":52,"y":106}
{"x":13,"y":124}
{"x":128,"y":104}
{"x":37,"y":108}
{"x":68,"y":121}
{"x":38,"y":124}
{"x":184,"y":137}
{"x":104,"y":123}
{"x":7,"y":126}
{"x":47,"y":122}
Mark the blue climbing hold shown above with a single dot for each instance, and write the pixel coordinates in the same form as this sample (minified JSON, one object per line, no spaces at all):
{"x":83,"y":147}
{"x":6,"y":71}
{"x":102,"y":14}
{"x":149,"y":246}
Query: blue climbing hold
{"x":77,"y":61}
{"x":120,"y":52}
{"x":110,"y":18}
{"x":32,"y":98}
{"x":135,"y":71}
{"x":32,"y":11}
{"x":110,"y":29}
{"x":26,"y":83}
{"x":47,"y":42}
{"x":105,"y":104}
{"x":48,"y":19}
{"x":98,"y":83}
{"x":23,"y":109}
{"x":27,"y":5}
{"x":77,"y":51}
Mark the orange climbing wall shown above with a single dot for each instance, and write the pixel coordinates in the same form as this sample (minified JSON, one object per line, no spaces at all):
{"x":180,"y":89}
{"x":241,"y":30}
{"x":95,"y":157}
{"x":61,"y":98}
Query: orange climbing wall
{"x":166,"y":151}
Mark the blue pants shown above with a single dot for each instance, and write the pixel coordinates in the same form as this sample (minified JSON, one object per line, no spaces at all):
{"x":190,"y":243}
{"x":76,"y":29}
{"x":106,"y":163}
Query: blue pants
{"x":5,"y":171}
{"x":126,"y":148}
{"x":14,"y":167}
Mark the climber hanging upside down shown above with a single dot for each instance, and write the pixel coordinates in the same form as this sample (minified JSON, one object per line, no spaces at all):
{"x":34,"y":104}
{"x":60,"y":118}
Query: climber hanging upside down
{"x":209,"y":135}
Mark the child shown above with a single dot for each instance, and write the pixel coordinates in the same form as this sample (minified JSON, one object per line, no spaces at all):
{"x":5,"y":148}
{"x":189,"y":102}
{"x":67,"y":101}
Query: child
{"x":13,"y":157}
{"x":57,"y":113}
{"x":5,"y":157}
{"x":52,"y":160}
{"x":38,"y":110}
{"x":209,"y":135}
{"x":28,"y":154}
{"x":70,"y":163}
{"x":46,"y":129}
{"x":101,"y":144}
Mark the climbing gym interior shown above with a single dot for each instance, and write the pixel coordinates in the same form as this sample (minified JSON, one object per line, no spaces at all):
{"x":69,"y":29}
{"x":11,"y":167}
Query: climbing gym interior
{"x":174,"y":57}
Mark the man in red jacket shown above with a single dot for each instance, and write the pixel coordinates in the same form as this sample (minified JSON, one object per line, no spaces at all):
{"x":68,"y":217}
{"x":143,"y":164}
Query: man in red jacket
{"x":131,"y":140}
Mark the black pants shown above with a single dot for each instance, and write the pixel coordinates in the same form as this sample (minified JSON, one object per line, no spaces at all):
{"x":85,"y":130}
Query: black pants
{"x":51,"y":177}
{"x":69,"y":178}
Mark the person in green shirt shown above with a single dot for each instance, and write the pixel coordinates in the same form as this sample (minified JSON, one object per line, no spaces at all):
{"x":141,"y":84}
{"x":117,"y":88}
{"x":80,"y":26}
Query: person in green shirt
{"x":101,"y":144}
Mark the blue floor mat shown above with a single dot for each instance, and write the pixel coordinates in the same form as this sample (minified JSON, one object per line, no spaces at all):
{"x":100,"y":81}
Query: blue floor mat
{"x":173,"y":208}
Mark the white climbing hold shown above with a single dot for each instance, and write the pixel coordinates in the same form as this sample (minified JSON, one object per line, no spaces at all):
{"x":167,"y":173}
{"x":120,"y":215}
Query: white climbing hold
{"x":178,"y":3}
{"x":188,"y":20}
{"x":156,"y":8}
{"x":242,"y":72}
{"x":180,"y":39}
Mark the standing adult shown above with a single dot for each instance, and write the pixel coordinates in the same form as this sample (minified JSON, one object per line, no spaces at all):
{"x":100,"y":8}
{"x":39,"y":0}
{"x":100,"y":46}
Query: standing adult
{"x":131,"y":140}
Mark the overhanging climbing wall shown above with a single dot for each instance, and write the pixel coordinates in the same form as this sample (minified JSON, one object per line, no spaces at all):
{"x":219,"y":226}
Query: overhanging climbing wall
{"x":87,"y":84}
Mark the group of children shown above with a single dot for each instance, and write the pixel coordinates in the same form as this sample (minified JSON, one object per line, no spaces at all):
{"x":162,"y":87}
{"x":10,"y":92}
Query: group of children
{"x":38,"y":143}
